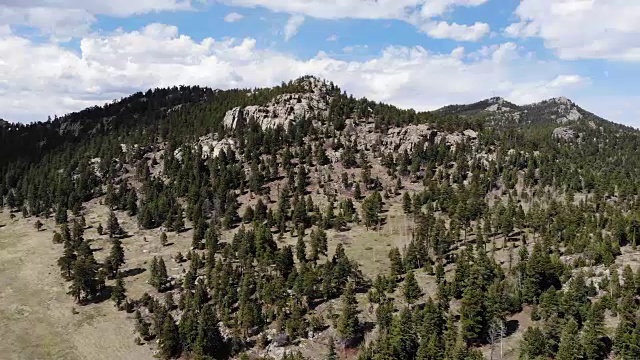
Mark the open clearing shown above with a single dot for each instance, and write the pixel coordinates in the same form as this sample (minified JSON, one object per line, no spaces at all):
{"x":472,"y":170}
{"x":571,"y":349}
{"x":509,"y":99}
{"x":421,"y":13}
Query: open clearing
{"x":36,"y":318}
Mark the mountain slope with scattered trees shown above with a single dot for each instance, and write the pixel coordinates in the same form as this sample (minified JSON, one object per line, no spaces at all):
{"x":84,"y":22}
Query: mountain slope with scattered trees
{"x":487,"y":215}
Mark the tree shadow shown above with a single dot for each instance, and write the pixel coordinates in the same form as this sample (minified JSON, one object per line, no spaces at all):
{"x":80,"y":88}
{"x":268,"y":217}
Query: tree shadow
{"x":511,"y":326}
{"x":367,"y":326}
{"x":102,"y":296}
{"x":132,"y":272}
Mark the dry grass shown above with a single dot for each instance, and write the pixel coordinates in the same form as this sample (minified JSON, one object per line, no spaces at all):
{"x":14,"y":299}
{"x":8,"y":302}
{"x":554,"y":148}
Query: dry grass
{"x":36,"y":320}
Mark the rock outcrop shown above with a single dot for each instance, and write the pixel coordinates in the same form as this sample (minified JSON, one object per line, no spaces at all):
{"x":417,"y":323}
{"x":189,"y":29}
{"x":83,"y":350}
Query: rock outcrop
{"x":399,"y":140}
{"x":210,"y":146}
{"x":565,"y":133}
{"x":284,"y":109}
{"x":406,"y":138}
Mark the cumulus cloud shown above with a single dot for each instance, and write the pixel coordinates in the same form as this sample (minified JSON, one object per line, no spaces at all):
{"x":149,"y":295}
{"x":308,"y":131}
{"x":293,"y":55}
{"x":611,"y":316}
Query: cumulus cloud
{"x":110,"y":66}
{"x":292,"y":26}
{"x":582,"y":29}
{"x":72,"y":18}
{"x":444,"y":30}
{"x":233,"y":17}
{"x":420,"y":13}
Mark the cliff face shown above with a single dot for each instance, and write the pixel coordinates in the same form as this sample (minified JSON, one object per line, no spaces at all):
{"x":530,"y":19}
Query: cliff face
{"x":284,"y":109}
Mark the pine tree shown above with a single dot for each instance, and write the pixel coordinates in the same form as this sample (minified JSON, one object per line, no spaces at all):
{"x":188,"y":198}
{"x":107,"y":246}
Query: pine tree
{"x":397,"y":267}
{"x":66,"y":262}
{"x":188,"y":327}
{"x":403,"y":337}
{"x":331,"y":350}
{"x":429,"y":348}
{"x":318,"y":244}
{"x":357,"y":192}
{"x":384,"y":315}
{"x":57,"y":238}
{"x":301,"y":249}
{"x":534,"y":344}
{"x":115,"y":260}
{"x":209,"y":341}
{"x":113,"y":226}
{"x":169,"y":338}
{"x":411,"y":290}
{"x":594,"y":347}
{"x":118,"y":293}
{"x":570,"y":347}
{"x":348,"y":323}
{"x":473,"y":314}
{"x":406,"y":203}
{"x":162,"y":277}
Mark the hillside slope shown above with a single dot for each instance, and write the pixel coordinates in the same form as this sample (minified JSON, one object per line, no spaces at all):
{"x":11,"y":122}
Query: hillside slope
{"x":290,"y":221}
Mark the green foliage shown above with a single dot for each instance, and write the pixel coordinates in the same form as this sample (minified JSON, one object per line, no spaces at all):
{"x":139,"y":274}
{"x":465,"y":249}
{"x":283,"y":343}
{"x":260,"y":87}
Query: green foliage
{"x":411,"y":290}
{"x":348,"y":323}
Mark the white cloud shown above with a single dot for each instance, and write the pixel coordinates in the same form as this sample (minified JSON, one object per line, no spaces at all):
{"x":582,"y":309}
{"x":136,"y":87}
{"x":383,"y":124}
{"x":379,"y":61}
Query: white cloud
{"x":582,"y":29}
{"x":233,"y":17}
{"x":69,"y":18}
{"x":333,"y":37}
{"x":110,"y":66}
{"x":353,"y":48}
{"x":420,"y":13}
{"x":444,"y":30}
{"x":292,"y":26}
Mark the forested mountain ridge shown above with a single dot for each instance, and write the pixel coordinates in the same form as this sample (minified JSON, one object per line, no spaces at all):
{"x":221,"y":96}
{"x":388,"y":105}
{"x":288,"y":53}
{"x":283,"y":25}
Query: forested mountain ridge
{"x":268,"y":221}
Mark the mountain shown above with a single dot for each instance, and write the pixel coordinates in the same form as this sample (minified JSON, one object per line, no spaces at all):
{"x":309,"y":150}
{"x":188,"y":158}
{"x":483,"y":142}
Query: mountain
{"x":498,"y":111}
{"x":267,"y":221}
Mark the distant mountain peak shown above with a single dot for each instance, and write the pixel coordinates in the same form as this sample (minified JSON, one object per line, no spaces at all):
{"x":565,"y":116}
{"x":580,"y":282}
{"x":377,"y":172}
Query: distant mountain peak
{"x":496,"y":100}
{"x":562,"y":100}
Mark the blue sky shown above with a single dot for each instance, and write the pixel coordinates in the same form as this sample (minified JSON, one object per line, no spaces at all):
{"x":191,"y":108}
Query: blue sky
{"x":65,"y":55}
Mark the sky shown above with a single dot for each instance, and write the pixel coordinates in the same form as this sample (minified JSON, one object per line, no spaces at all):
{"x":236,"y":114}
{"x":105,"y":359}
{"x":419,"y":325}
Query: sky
{"x":59,"y":56}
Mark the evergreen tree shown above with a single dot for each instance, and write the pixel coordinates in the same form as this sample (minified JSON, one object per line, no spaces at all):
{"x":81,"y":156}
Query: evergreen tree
{"x":331,"y":350}
{"x":209,"y":341}
{"x":397,"y":268}
{"x":169,"y":338}
{"x":301,"y":248}
{"x":570,"y":347}
{"x":118,"y":293}
{"x":411,"y":290}
{"x":113,"y":226}
{"x":115,"y":260}
{"x":534,"y":344}
{"x":473,"y":314}
{"x":348,"y":323}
